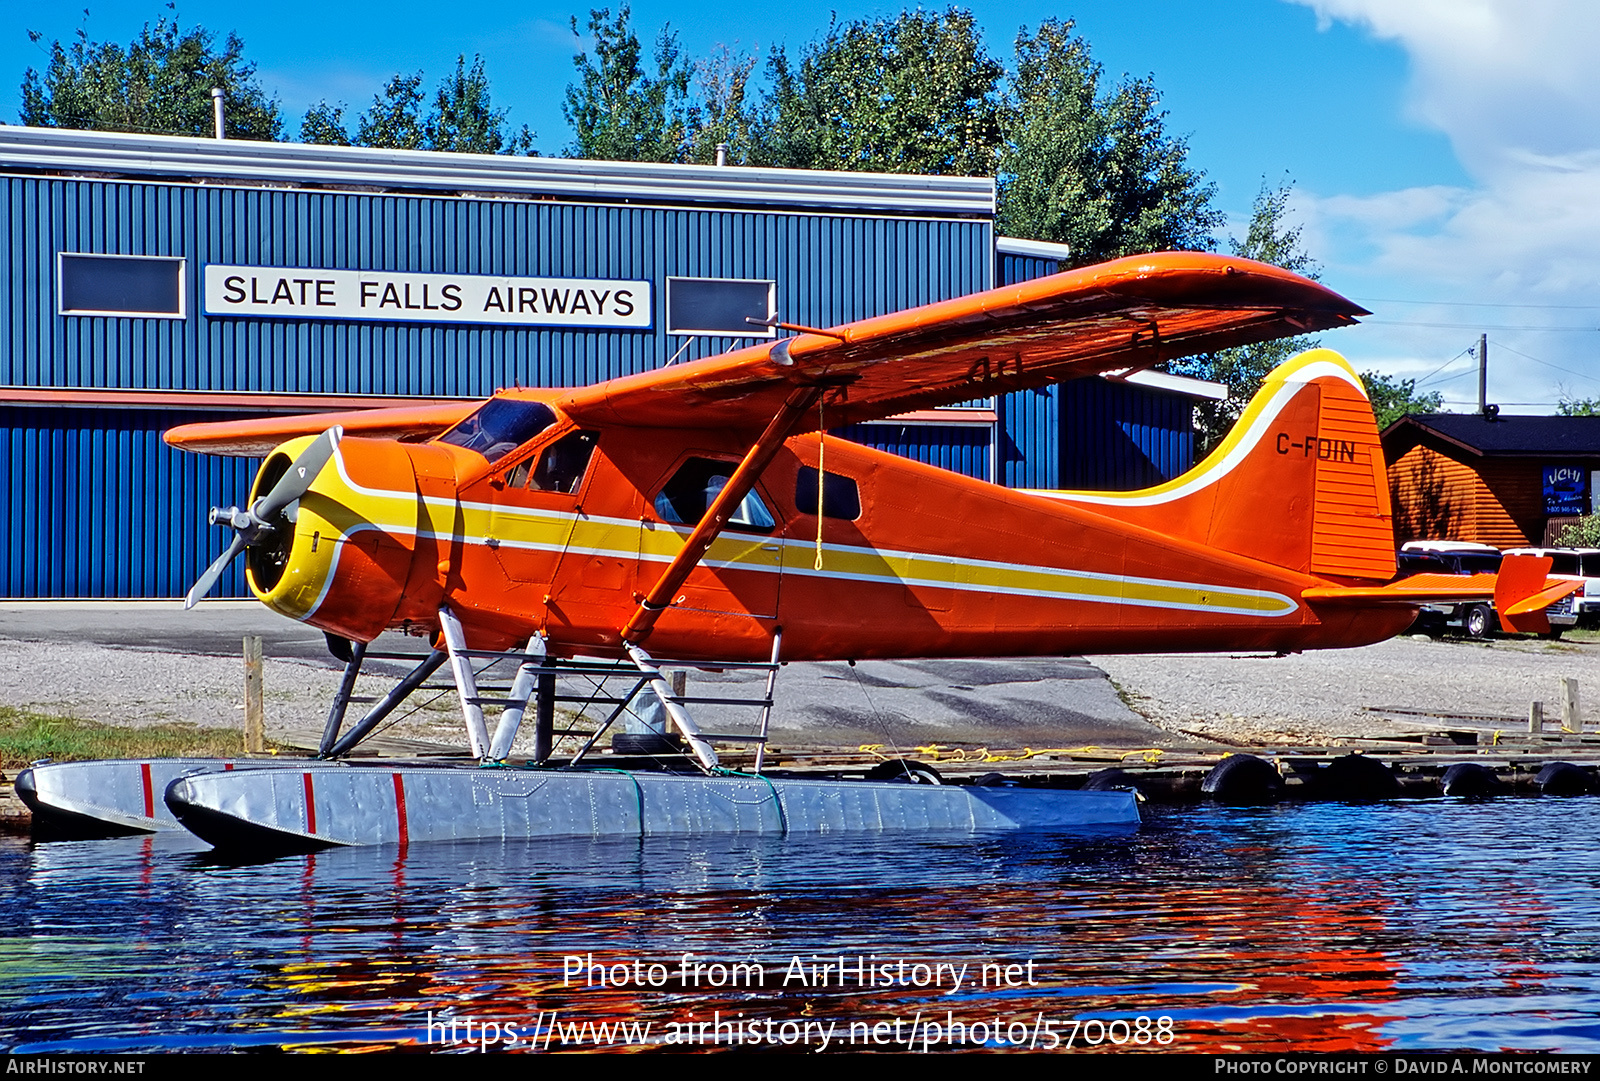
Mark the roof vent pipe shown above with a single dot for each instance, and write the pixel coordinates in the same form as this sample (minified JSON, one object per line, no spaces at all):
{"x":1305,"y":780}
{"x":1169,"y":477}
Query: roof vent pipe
{"x":722,"y":153}
{"x":216,"y":111}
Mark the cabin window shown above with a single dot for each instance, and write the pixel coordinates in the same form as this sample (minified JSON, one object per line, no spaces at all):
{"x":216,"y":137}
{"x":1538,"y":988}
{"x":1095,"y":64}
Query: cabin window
{"x":841,"y":497}
{"x":500,"y":427}
{"x":721,"y":306}
{"x":684,"y":498}
{"x":123,"y":285}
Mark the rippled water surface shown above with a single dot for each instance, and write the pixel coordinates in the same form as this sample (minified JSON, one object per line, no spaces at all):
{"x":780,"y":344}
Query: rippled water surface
{"x":1405,"y":926}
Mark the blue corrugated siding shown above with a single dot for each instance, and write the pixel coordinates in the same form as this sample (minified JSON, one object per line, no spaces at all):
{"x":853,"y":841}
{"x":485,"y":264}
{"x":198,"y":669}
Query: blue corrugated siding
{"x":1029,"y":454}
{"x":1022,"y":268}
{"x":98,"y":507}
{"x":1122,"y":436}
{"x":1030,"y":424}
{"x":960,"y":448}
{"x":829,"y":269}
{"x":95,"y":505}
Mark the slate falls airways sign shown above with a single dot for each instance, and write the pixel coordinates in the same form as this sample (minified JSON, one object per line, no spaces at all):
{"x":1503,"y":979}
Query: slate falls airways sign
{"x":383,"y":296}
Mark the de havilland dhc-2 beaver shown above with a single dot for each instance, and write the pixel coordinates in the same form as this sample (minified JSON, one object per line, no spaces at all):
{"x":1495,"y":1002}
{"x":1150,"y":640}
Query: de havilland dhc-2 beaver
{"x":699,"y":512}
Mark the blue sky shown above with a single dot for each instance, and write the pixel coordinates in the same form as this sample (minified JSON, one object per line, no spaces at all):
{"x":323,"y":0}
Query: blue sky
{"x":1446,"y":153}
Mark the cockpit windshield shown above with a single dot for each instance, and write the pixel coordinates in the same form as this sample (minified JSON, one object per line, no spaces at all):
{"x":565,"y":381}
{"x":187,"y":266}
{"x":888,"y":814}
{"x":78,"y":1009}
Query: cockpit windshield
{"x":500,"y":427}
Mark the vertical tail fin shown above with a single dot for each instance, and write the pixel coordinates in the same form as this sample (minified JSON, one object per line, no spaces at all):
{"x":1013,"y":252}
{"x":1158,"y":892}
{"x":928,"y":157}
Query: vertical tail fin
{"x":1299,"y":482}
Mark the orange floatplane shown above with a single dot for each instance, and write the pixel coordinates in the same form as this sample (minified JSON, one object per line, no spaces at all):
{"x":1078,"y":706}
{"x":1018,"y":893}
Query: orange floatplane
{"x":700,"y":512}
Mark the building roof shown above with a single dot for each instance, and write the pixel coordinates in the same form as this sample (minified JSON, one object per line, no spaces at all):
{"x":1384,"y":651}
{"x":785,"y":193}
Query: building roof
{"x":1037,"y":249}
{"x":1501,"y":437}
{"x":112,"y":155}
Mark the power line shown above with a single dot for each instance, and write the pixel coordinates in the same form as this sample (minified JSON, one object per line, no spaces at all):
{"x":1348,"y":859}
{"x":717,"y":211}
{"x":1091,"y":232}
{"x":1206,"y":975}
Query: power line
{"x":1546,"y":363}
{"x":1478,"y":304}
{"x":1472,"y":326}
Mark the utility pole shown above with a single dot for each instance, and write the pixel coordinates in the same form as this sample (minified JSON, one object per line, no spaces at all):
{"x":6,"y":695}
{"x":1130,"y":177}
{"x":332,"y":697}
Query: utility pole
{"x":1483,"y":374}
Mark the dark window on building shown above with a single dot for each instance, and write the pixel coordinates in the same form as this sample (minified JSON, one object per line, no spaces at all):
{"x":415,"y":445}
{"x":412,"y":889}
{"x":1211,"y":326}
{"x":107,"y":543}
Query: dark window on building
{"x":720,"y":306}
{"x":121,"y":285}
{"x":500,"y":427}
{"x":841,"y":498}
{"x":684,"y":498}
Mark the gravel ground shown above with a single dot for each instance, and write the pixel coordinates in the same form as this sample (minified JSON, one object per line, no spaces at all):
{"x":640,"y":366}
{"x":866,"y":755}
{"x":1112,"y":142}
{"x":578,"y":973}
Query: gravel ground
{"x":1249,"y":699}
{"x":1314,"y":697}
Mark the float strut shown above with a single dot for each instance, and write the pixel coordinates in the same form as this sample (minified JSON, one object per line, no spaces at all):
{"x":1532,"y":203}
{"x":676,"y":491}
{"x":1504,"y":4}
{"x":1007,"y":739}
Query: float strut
{"x":341,"y":700}
{"x":505,"y":732}
{"x":466,"y":683}
{"x":545,"y":718}
{"x":386,"y":705}
{"x":703,"y":751}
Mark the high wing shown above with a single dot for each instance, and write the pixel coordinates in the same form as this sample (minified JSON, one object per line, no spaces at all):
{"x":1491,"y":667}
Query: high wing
{"x":1119,"y":316}
{"x":1124,"y":315}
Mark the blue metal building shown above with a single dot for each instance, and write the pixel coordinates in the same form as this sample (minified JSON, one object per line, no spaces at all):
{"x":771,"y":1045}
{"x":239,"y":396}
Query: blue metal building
{"x":151,"y":281}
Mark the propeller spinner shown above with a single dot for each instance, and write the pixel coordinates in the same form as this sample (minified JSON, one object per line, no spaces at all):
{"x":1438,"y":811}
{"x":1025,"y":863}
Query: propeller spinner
{"x":264,"y":519}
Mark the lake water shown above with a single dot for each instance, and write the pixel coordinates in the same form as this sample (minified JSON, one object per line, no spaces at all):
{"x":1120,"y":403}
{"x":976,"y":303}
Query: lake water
{"x":1402,"y":926}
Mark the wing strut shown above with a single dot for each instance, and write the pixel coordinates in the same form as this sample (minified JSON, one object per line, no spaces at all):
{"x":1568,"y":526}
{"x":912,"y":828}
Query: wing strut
{"x":756,"y":460}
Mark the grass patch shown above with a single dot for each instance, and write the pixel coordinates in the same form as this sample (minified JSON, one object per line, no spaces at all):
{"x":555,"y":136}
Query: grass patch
{"x":27,"y":736}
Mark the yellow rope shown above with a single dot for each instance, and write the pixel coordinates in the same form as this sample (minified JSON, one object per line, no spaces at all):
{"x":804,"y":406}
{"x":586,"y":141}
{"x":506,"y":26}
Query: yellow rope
{"x":940,"y":753}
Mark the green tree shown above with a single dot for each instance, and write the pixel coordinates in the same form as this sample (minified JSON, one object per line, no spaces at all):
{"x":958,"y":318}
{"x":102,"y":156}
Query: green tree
{"x":1578,"y":407}
{"x":1269,"y":239}
{"x":918,"y":93}
{"x":1583,"y":533}
{"x":1094,"y":168}
{"x":1393,"y":398}
{"x":723,"y":111}
{"x":160,"y":83}
{"x":463,"y":119}
{"x":394,"y":120}
{"x":618,"y":111}
{"x":324,"y":123}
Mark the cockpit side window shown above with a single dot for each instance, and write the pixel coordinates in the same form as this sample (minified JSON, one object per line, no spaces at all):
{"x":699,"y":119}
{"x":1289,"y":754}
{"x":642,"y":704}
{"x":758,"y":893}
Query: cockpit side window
{"x":500,"y":426}
{"x":684,"y":499}
{"x":562,"y":465}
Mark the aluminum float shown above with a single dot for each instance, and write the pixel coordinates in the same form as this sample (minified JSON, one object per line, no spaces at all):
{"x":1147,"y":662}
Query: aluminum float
{"x":276,"y":810}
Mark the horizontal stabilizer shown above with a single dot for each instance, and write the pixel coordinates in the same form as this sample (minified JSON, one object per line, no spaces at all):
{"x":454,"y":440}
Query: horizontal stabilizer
{"x":256,"y":438}
{"x":1521,"y":592}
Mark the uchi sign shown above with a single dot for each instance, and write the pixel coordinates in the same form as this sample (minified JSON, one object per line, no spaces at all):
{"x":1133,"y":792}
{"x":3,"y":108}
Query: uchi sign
{"x":297,"y":293}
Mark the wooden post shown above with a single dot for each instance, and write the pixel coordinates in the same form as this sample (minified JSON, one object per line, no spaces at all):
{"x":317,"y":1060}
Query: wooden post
{"x":1535,"y":718}
{"x":1571,"y":717}
{"x":680,"y":683}
{"x":255,"y":726}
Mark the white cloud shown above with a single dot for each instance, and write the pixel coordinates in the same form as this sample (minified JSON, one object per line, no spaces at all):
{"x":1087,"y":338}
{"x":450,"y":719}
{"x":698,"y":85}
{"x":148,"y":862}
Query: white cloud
{"x":1515,"y":88}
{"x":1496,"y":76}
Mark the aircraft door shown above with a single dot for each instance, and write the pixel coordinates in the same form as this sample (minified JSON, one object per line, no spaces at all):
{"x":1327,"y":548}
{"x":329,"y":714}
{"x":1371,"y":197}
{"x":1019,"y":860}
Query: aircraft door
{"x":741,"y":573}
{"x":537,"y":509}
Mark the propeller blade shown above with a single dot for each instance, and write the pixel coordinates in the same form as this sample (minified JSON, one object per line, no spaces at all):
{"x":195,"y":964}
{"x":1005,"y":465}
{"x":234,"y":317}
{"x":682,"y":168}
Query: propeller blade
{"x":297,"y":481}
{"x":213,"y":572}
